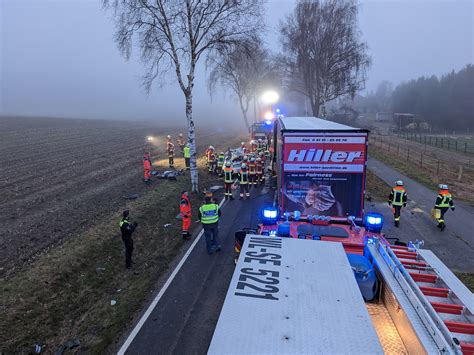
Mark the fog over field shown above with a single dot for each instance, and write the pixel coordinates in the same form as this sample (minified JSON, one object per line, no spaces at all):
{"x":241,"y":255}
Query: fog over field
{"x":58,"y":58}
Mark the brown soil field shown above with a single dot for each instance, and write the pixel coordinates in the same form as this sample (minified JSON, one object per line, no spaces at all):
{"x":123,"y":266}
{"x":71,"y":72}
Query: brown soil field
{"x":59,"y":176}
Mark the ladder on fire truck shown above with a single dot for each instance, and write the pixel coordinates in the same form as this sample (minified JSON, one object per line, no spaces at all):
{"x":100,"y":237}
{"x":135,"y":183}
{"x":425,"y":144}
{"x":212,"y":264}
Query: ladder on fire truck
{"x":443,"y":303}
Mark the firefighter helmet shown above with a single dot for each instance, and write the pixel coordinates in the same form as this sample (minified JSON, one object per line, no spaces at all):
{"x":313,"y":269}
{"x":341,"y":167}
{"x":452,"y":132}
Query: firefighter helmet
{"x":180,"y":134}
{"x":221,"y":153}
{"x":246,"y":158}
{"x":443,"y":187}
{"x":259,"y":159}
{"x":211,"y":147}
{"x":242,"y":143}
{"x":244,"y":166}
{"x":399,"y":183}
{"x":168,"y":136}
{"x":227,"y":164}
{"x":252,"y":159}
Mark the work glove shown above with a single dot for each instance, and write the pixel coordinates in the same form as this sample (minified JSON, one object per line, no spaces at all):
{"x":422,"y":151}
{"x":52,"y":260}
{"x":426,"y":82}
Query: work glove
{"x":404,"y":205}
{"x":453,"y":208}
{"x":389,"y":203}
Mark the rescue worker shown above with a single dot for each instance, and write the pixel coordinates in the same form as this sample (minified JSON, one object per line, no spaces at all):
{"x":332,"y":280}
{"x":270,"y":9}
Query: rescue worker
{"x":243,"y":148}
{"x":208,"y":153}
{"x":252,"y":171}
{"x":209,"y":214}
{"x":444,"y":200}
{"x":228,"y":180}
{"x":253,"y":146}
{"x":170,"y":151}
{"x":220,"y":163}
{"x":244,"y":182}
{"x":259,"y":146}
{"x":185,"y":213}
{"x":187,"y":156}
{"x":147,"y":156}
{"x":259,"y":170}
{"x":397,"y":199}
{"x":212,"y":162}
{"x":146,"y":170}
{"x":127,"y":230}
{"x":181,"y":143}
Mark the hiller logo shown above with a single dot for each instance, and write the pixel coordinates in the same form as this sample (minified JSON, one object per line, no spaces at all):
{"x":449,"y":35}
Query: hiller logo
{"x":322,"y":155}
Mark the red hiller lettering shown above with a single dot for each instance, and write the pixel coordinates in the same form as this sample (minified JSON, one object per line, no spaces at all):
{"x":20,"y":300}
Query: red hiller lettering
{"x":321,"y":155}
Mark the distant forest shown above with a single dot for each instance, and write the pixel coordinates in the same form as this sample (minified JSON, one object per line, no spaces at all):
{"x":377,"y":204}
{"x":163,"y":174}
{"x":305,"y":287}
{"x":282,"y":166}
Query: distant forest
{"x":446,"y":102}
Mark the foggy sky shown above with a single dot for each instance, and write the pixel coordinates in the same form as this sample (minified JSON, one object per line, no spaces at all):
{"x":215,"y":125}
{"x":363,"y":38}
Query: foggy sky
{"x":58,"y":57}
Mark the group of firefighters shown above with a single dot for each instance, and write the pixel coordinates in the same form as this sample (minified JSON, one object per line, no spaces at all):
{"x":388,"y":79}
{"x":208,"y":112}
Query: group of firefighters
{"x":398,"y":199}
{"x":185,"y":151}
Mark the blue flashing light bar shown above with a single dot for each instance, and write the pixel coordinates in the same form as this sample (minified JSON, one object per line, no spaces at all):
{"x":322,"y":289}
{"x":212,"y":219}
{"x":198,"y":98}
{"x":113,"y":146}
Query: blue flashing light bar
{"x":374,"y":222}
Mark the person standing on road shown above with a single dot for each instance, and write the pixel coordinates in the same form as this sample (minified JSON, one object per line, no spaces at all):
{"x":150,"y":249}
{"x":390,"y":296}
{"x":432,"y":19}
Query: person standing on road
{"x":185,"y":212}
{"x":259,"y":170}
{"x":209,"y":214}
{"x":252,"y":171}
{"x":397,"y":199}
{"x":127,"y":230}
{"x":244,"y":182}
{"x":170,"y":151}
{"x":187,"y":156}
{"x":228,"y":180}
{"x":444,"y":201}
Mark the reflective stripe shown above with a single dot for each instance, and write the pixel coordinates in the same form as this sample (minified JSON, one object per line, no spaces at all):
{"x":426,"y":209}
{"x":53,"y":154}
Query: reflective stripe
{"x":122,"y":222}
{"x":445,"y":200}
{"x":244,"y":177}
{"x":209,"y":213}
{"x":397,"y":199}
{"x":228,"y":175}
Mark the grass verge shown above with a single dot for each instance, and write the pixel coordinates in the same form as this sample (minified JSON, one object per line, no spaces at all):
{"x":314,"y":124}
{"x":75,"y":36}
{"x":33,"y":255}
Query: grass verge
{"x":467,"y":279}
{"x":67,"y":293}
{"x":376,"y":188}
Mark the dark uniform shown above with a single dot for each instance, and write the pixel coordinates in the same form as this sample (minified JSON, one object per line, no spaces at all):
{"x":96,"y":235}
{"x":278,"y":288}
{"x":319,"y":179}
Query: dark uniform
{"x":244,"y":183}
{"x":209,"y":214}
{"x":397,"y":199}
{"x":228,"y":181}
{"x":187,"y":156}
{"x":127,"y":229}
{"x":444,"y":201}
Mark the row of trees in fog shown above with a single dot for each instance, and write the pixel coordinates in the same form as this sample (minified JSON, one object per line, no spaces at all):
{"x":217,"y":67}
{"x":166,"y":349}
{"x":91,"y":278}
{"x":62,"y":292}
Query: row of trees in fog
{"x":321,"y":57}
{"x":445,"y":102}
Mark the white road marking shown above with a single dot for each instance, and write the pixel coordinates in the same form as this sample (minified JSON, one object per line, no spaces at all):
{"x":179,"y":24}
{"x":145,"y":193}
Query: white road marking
{"x":160,"y":294}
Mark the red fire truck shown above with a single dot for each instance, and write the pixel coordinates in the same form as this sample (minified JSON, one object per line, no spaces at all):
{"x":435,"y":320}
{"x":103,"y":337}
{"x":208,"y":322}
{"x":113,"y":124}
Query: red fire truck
{"x":318,"y":276}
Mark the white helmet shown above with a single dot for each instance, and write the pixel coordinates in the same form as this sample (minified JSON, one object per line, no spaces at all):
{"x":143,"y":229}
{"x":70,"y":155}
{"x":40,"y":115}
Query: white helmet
{"x":399,"y":183}
{"x":211,"y":147}
{"x":180,"y":134}
{"x":227,"y":164}
{"x":443,"y":187}
{"x":244,"y":166}
{"x":243,"y":143}
{"x":168,"y":136}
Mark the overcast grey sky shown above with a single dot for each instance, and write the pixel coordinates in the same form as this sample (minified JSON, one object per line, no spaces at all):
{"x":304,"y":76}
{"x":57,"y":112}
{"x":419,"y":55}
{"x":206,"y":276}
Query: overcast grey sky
{"x":58,"y":57}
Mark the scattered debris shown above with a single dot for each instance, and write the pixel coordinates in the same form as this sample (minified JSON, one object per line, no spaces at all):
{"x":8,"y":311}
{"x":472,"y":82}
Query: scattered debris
{"x":113,"y":302}
{"x":70,"y":344}
{"x":38,"y":348}
{"x":167,"y":225}
{"x":168,"y":174}
{"x":131,"y":196}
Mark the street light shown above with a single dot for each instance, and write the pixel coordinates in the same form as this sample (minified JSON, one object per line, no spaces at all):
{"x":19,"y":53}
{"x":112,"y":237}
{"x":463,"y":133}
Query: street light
{"x":270,"y":97}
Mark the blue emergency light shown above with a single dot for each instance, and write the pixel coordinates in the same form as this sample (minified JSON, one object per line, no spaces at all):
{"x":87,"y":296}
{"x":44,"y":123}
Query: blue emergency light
{"x":374,"y":222}
{"x":269,"y":215}
{"x":268,"y":122}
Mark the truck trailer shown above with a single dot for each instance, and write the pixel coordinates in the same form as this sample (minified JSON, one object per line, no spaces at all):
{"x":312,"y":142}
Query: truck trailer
{"x":314,"y":277}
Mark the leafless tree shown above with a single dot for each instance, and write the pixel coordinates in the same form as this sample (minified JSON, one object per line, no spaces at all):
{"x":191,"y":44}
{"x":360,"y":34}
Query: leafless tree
{"x":173,"y":35}
{"x":324,"y":57}
{"x":245,"y":69}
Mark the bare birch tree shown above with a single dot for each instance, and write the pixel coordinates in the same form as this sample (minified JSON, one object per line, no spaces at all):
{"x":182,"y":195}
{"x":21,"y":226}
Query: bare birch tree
{"x":173,"y":35}
{"x":323,"y":55}
{"x":245,"y":69}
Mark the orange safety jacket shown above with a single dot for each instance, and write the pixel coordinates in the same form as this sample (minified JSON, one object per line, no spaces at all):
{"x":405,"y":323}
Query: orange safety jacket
{"x":251,"y":168}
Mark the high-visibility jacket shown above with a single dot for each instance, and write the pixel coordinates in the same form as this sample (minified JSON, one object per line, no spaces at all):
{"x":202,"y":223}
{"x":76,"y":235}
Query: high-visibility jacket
{"x":187,"y":152}
{"x":228,"y":172}
{"x":185,"y":206}
{"x":146,"y":165}
{"x":243,"y":177}
{"x":209,"y":213}
{"x":398,"y":196}
{"x":444,"y":199}
{"x":220,"y":161}
{"x":252,"y":168}
{"x":208,"y":154}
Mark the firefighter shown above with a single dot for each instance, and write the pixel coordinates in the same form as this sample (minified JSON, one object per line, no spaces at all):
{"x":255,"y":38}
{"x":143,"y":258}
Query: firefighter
{"x":170,"y":151}
{"x":243,"y":148}
{"x":147,"y":156}
{"x":259,"y":170}
{"x":185,"y":213}
{"x":146,"y":170}
{"x":228,"y":180}
{"x":397,"y":199}
{"x":252,"y":172}
{"x":181,"y":143}
{"x":209,"y":214}
{"x":187,"y":156}
{"x":127,"y":230}
{"x":208,"y":153}
{"x":220,"y":163}
{"x":444,"y":200}
{"x":244,"y":182}
{"x":259,"y":146}
{"x":212,"y":162}
{"x":253,"y":146}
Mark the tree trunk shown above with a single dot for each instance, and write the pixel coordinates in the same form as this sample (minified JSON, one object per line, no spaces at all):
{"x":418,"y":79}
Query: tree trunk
{"x":192,"y":141}
{"x":244,"y":113}
{"x":315,"y":105}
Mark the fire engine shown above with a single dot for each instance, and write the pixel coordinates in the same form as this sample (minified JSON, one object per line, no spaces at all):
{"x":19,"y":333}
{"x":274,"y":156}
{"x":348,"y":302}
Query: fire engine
{"x":319,"y":276}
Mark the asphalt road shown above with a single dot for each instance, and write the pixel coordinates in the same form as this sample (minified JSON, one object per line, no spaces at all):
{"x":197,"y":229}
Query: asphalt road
{"x":184,"y":319}
{"x":454,"y":246}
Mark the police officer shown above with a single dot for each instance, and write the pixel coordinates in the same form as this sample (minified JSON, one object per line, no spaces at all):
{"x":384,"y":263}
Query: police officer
{"x":127,"y":229}
{"x":187,"y":156}
{"x":209,"y":214}
{"x":228,"y":180}
{"x":444,"y":200}
{"x":397,"y":199}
